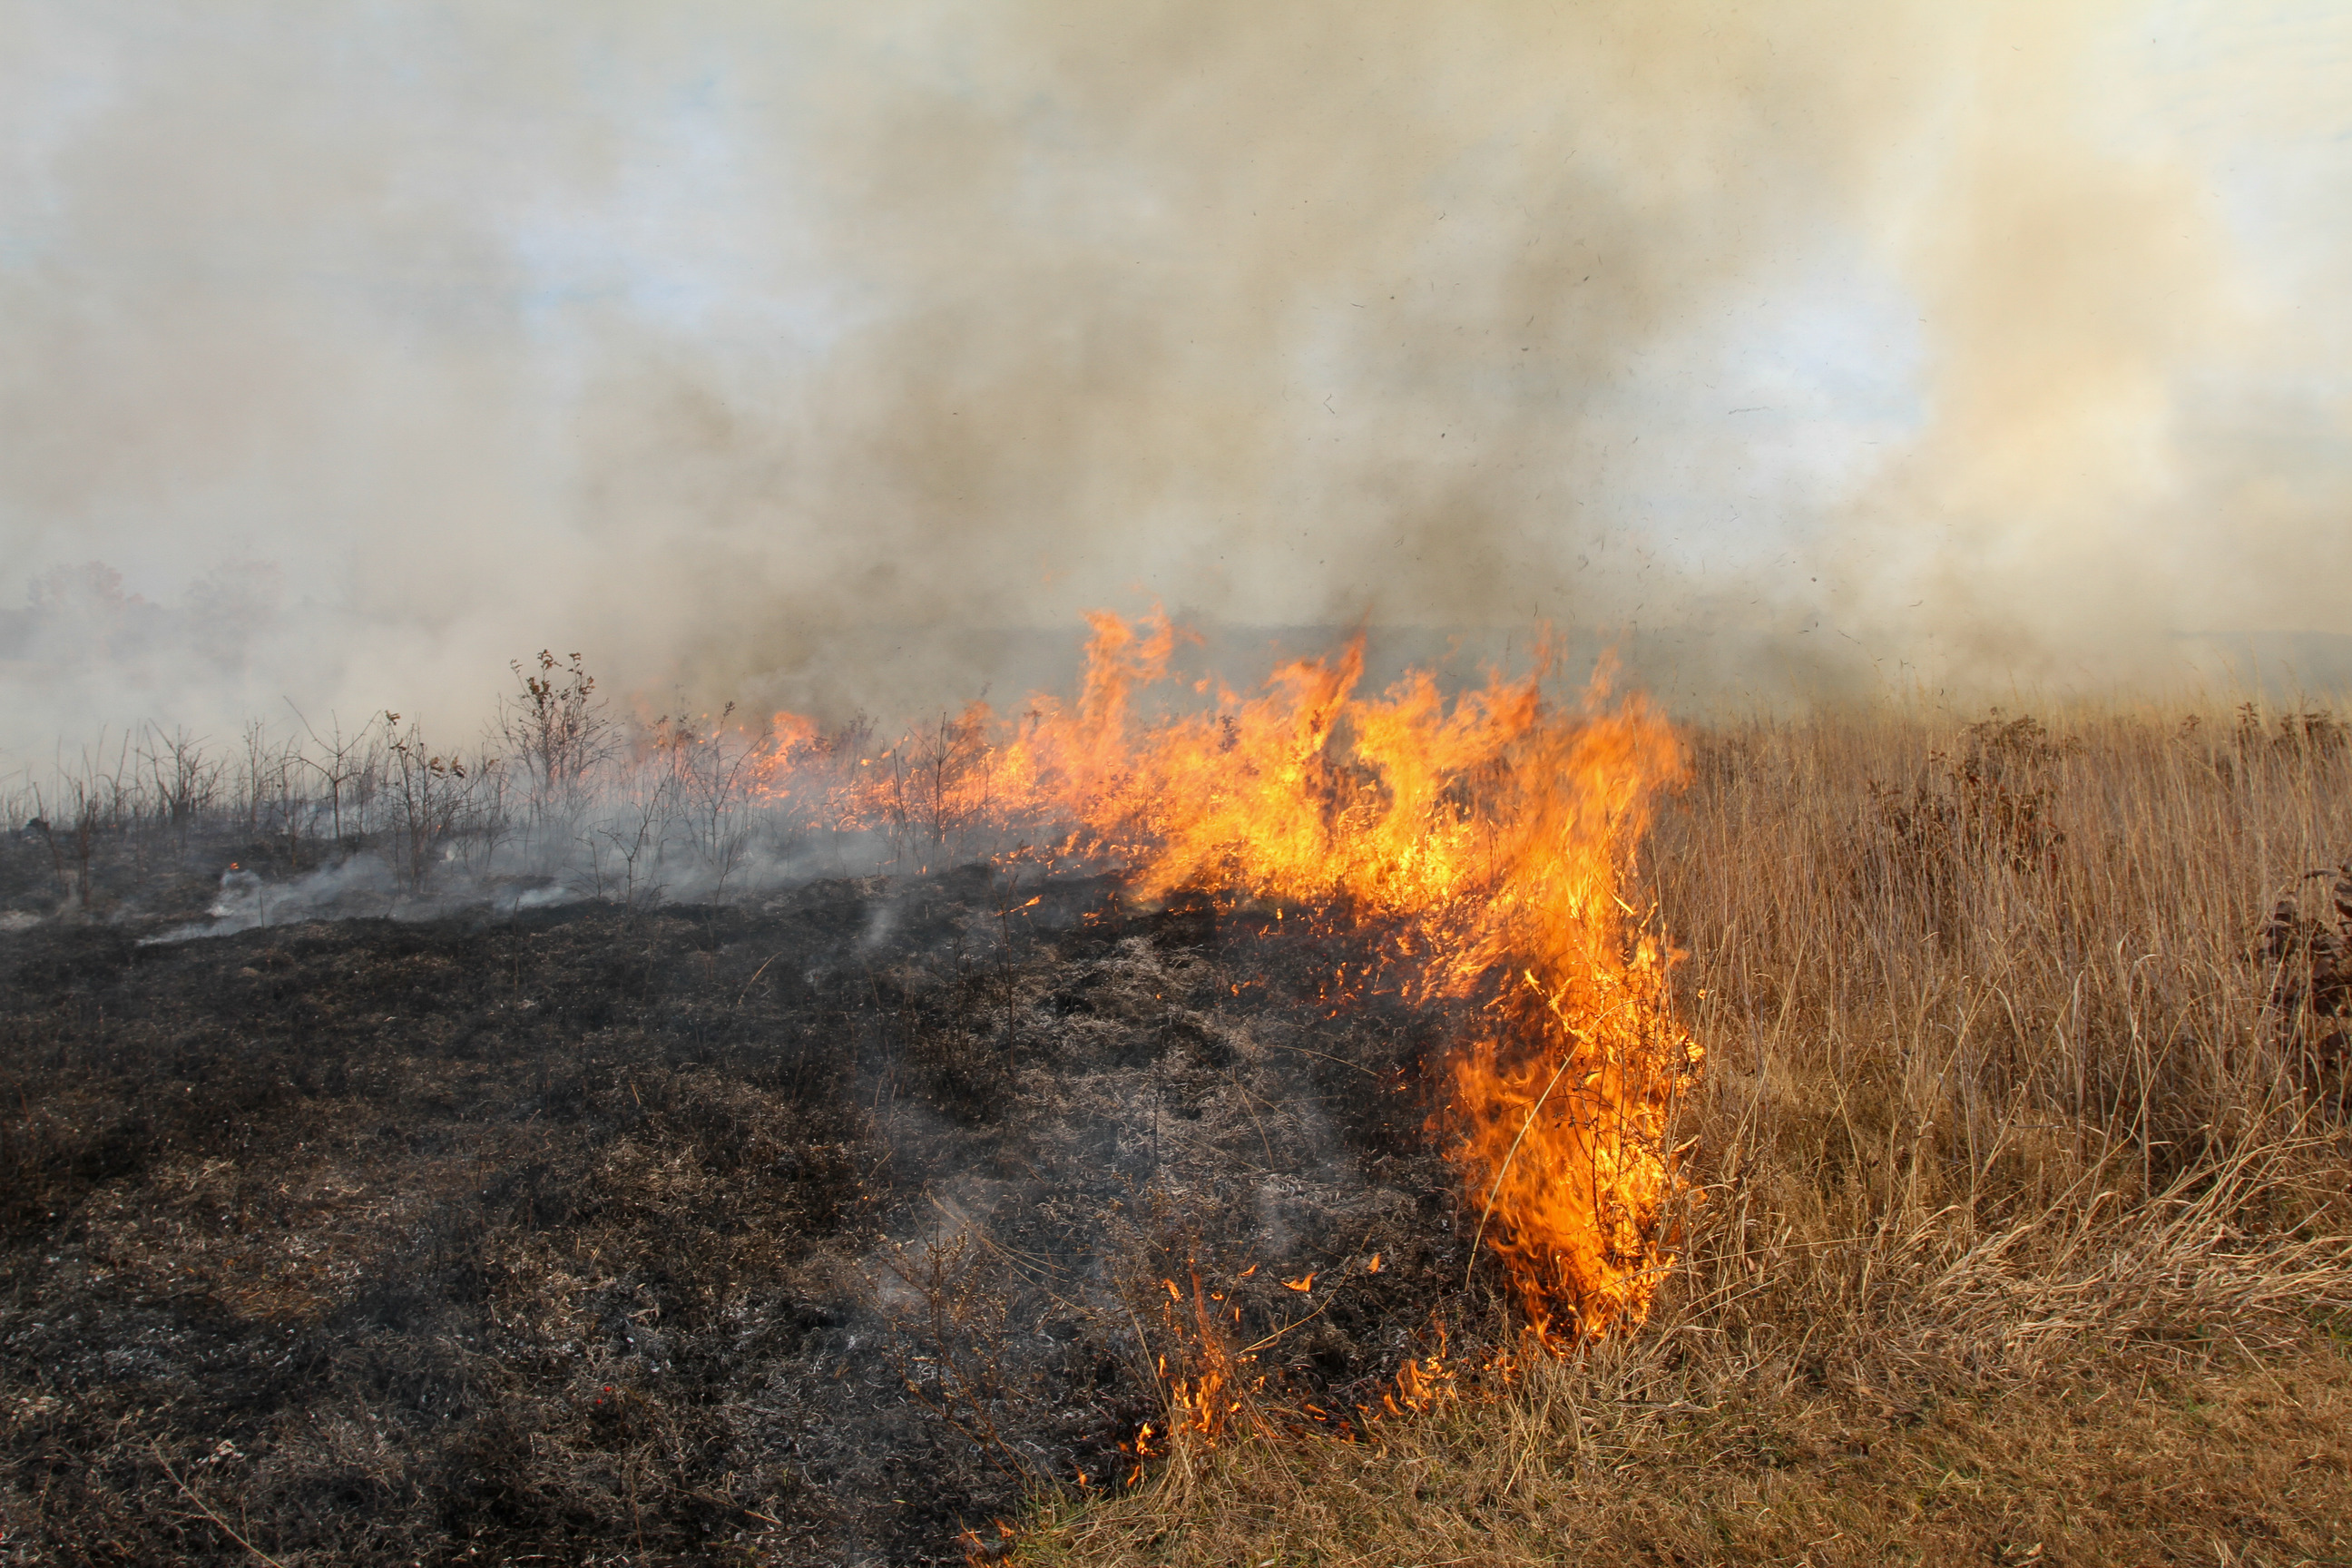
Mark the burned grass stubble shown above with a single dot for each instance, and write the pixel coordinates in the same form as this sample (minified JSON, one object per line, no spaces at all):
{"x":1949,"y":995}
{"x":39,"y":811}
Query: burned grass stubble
{"x":810,"y":1232}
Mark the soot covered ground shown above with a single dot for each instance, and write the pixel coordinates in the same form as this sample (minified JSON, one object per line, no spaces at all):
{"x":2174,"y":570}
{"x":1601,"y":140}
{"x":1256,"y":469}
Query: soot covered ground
{"x":814,"y":1231}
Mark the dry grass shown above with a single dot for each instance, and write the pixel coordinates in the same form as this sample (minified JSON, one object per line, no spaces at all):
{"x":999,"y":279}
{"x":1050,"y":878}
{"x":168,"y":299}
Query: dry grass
{"x":2023,"y":1189}
{"x":2125,"y":1461}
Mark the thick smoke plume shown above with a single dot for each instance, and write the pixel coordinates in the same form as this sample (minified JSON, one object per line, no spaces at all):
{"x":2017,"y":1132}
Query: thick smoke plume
{"x":821,"y":356}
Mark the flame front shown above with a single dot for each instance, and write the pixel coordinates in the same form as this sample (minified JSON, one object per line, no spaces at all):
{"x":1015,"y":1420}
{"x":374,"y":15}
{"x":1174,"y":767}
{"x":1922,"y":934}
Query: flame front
{"x":1485,"y":842}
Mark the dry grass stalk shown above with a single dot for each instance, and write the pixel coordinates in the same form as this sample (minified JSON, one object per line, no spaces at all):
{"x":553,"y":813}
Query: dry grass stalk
{"x":2008,"y":1111}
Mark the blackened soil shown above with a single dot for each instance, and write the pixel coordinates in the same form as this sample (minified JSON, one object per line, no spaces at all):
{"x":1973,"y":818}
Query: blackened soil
{"x":815,"y":1232}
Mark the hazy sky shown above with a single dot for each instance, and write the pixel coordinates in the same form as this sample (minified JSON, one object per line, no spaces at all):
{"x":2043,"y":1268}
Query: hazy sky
{"x":375,"y":346}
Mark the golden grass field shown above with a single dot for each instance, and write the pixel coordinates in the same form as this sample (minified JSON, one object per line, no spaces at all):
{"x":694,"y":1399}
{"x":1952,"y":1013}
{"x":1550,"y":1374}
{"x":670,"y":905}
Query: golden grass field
{"x":2021,"y":1187}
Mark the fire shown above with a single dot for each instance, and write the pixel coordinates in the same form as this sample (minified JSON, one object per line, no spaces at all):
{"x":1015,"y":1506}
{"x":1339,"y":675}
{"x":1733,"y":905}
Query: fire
{"x":1485,"y":841}
{"x":1220,"y":1394}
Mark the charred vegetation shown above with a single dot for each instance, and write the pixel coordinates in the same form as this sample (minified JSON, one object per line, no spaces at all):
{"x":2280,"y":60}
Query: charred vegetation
{"x":820,"y":1230}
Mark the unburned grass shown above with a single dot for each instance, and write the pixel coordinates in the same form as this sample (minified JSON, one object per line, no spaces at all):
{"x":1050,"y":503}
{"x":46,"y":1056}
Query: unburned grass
{"x":2128,"y":1460}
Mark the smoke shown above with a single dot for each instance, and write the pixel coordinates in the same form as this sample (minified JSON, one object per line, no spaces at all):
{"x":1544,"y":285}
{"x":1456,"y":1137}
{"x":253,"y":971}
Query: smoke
{"x":818,"y":355}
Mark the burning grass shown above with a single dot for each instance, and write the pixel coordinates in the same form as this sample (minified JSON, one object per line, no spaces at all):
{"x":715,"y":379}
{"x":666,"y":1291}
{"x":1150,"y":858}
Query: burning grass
{"x":1470,"y":854}
{"x":2017,"y":1220}
{"x":1282,"y":1137}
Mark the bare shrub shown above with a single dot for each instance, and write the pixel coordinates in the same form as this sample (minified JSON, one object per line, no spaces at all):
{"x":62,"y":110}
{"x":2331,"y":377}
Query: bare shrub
{"x":2311,"y":734}
{"x":89,"y":802}
{"x":433,"y":798}
{"x":1984,"y":809}
{"x":183,"y":781}
{"x":2307,"y":948}
{"x":625,"y":843}
{"x":937,"y":792}
{"x":714,"y":765}
{"x":348,"y":767}
{"x":557,"y":729}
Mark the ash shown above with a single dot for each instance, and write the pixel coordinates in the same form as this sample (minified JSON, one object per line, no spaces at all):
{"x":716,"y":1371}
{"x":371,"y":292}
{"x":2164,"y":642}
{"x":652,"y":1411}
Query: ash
{"x":815,"y":1230}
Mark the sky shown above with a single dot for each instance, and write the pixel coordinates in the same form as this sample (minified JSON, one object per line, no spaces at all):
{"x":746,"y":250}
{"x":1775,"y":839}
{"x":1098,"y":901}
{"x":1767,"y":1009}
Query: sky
{"x":350,"y":352}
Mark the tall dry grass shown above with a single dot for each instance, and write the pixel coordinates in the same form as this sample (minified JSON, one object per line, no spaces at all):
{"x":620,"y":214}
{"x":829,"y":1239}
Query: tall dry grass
{"x":1988,"y":1013}
{"x":2006,"y":1101}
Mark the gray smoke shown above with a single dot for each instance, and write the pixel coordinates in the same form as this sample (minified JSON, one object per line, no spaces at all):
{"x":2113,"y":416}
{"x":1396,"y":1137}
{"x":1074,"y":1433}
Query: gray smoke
{"x":818,"y":356}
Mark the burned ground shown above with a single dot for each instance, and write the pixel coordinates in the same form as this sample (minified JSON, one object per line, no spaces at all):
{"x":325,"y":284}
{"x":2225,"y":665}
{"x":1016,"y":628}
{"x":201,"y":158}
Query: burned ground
{"x":815,"y":1230}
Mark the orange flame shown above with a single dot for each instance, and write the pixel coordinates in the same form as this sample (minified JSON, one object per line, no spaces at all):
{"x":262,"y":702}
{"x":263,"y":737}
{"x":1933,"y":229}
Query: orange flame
{"x":1488,"y":839}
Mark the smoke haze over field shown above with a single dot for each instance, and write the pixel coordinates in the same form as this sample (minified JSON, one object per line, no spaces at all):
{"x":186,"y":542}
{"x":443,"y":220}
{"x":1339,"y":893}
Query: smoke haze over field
{"x":777,"y":352}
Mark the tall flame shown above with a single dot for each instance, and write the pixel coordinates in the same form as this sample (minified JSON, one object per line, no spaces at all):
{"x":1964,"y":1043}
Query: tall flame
{"x":1487,"y":841}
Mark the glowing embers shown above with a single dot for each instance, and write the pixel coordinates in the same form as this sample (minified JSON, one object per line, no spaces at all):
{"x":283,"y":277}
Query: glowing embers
{"x":1477,"y":847}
